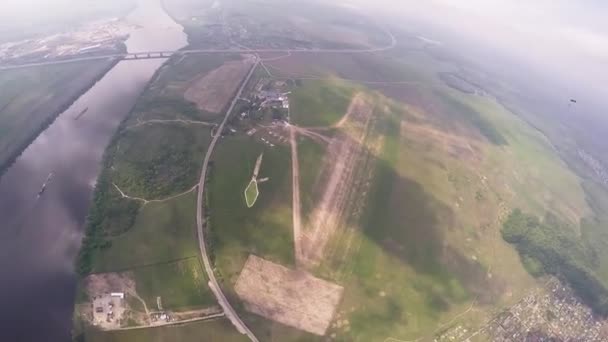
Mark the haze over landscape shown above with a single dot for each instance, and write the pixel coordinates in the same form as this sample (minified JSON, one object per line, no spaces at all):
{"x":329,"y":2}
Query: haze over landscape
{"x":303,"y":170}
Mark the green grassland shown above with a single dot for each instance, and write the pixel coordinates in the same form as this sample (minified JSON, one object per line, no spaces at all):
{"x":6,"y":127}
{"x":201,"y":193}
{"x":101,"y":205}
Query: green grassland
{"x":310,"y":154}
{"x":153,"y":161}
{"x":320,"y":102}
{"x":215,"y":330}
{"x":236,"y":230}
{"x":182,"y":286}
{"x":161,"y":232}
{"x":31,"y":98}
{"x":157,"y":161}
{"x":428,"y":245}
{"x":153,"y":233}
{"x":425,"y":251}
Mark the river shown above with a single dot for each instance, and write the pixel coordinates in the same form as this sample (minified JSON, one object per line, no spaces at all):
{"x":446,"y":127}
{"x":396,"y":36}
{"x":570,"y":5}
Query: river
{"x":40,"y":235}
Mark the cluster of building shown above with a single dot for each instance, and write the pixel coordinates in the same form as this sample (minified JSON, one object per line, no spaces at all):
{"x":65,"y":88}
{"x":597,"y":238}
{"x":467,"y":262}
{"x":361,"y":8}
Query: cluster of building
{"x":160,"y":317}
{"x":273,"y":99}
{"x":109,"y":309}
{"x":99,"y":37}
{"x":552,"y":315}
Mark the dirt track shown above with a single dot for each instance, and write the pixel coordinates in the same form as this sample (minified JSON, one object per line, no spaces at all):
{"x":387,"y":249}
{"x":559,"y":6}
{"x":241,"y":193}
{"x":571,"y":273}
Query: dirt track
{"x":343,"y":158}
{"x":297,"y":206}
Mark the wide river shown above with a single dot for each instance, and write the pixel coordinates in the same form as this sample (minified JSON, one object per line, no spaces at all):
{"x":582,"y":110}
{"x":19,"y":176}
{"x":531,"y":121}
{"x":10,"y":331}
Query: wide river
{"x":40,"y":235}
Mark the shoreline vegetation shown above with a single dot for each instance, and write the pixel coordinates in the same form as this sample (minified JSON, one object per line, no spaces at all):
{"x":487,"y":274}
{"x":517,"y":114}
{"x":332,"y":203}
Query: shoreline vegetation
{"x":18,"y":151}
{"x":93,"y":238}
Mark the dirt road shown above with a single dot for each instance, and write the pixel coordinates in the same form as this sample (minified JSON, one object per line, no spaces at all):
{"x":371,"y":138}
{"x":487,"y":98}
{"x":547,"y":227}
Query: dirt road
{"x":213,"y":283}
{"x":344,"y":158}
{"x":295,"y":193}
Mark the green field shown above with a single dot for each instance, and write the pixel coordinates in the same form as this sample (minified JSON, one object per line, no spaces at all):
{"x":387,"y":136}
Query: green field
{"x":182,"y":286}
{"x":215,"y":330}
{"x":419,"y":245}
{"x":320,"y":102}
{"x":251,"y":193}
{"x":149,"y":230}
{"x":31,"y":98}
{"x":427,"y":246}
{"x":162,"y":232}
{"x":236,"y":230}
{"x":159,"y":160}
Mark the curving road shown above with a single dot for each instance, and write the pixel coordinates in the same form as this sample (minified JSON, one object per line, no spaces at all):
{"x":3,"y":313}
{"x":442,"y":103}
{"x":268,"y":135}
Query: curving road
{"x":213,"y":284}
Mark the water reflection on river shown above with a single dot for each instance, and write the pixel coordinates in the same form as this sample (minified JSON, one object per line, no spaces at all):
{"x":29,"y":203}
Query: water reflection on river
{"x":40,"y":236}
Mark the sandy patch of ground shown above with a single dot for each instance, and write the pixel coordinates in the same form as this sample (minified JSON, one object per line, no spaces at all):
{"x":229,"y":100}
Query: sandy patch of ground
{"x":96,"y":284}
{"x":455,"y":145}
{"x":345,"y":155}
{"x":212,"y":91}
{"x":291,"y":297}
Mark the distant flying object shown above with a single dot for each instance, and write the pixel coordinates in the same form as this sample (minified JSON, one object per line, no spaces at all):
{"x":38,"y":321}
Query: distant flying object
{"x":573,"y":100}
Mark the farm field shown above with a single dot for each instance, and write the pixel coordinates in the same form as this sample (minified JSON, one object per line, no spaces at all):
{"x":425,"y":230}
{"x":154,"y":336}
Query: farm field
{"x":33,"y":97}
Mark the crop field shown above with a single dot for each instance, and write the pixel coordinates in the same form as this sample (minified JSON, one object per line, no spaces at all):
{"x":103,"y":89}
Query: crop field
{"x":214,"y":330}
{"x":33,"y":97}
{"x":213,"y":91}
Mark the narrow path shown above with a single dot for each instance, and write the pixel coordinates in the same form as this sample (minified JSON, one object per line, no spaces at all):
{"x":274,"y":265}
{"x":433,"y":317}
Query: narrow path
{"x":206,"y":318}
{"x":143,"y":302}
{"x":145,"y":201}
{"x":295,"y":193}
{"x":311,"y":134}
{"x":213,"y":283}
{"x":158,"y":121}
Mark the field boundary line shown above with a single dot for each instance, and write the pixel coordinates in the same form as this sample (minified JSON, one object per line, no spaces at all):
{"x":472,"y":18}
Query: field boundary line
{"x":169,"y":121}
{"x":133,"y":267}
{"x":145,"y":201}
{"x":169,"y":324}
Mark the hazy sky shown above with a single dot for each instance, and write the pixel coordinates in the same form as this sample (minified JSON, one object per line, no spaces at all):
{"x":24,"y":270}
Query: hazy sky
{"x":566,"y":38}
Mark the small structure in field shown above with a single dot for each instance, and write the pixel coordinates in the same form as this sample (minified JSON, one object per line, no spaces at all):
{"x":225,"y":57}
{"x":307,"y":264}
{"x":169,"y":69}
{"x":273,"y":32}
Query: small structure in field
{"x":252,"y":192}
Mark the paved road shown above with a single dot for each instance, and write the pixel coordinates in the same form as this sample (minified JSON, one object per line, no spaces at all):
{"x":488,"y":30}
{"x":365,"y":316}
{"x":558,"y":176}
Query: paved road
{"x":193,"y":51}
{"x":213,"y":284}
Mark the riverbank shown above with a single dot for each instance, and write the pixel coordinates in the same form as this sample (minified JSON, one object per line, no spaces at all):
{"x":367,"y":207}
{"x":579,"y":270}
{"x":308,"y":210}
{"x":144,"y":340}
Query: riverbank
{"x":63,"y":105}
